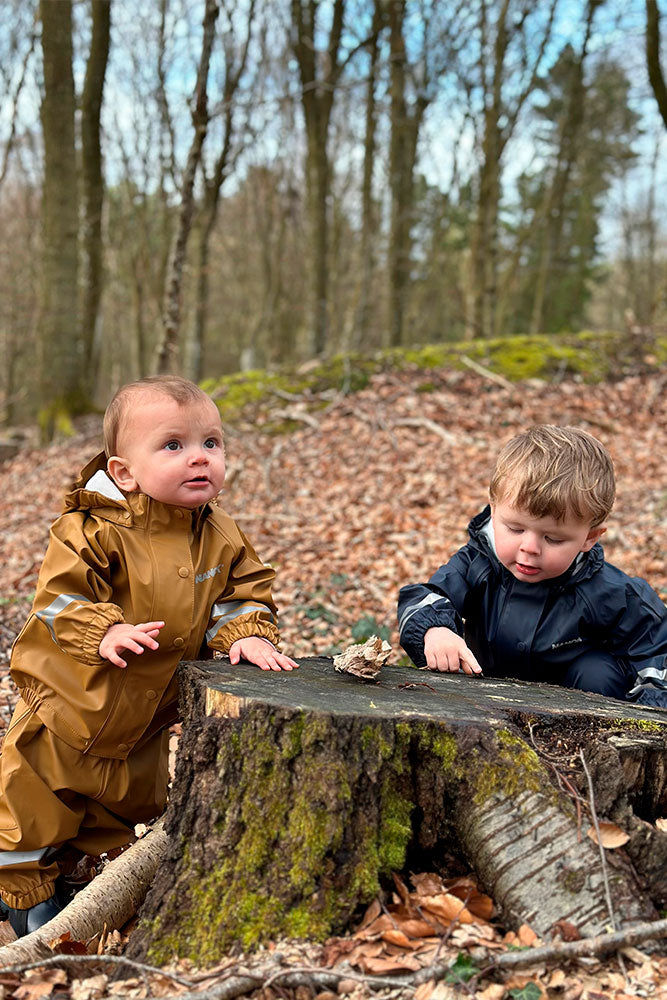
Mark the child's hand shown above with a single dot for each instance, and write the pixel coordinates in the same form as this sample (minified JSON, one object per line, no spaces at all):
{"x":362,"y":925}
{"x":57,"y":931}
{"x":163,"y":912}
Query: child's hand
{"x":133,"y":638}
{"x":261,"y":652}
{"x":446,"y":651}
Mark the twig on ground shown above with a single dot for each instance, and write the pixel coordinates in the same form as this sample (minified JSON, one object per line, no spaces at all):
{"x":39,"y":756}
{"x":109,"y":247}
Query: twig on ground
{"x":487,"y":373}
{"x":430,"y":425}
{"x":603,"y":860}
{"x":65,"y":961}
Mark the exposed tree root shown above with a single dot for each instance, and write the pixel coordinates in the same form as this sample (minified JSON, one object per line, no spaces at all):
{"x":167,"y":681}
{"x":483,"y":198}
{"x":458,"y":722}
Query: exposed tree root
{"x":110,"y":899}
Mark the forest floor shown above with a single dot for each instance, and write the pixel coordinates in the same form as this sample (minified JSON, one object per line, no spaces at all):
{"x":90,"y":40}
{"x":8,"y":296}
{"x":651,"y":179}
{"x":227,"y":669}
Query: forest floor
{"x":371,"y":491}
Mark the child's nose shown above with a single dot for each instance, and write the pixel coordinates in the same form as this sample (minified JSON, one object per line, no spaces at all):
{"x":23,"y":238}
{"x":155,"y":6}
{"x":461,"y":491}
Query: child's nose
{"x":530,"y":542}
{"x":199,"y":456}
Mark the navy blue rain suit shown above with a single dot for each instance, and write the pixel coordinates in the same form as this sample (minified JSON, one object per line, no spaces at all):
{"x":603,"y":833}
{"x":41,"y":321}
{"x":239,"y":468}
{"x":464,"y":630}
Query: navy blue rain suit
{"x":593,"y":627}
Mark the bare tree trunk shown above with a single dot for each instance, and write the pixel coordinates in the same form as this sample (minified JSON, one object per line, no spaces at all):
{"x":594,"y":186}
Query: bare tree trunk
{"x":92,"y":189}
{"x":368,"y":206}
{"x":317,"y":96}
{"x":402,"y":154}
{"x":233,"y":73}
{"x":62,"y":392}
{"x":653,"y":64}
{"x":167,"y":349}
{"x":499,"y":120}
{"x":552,"y":214}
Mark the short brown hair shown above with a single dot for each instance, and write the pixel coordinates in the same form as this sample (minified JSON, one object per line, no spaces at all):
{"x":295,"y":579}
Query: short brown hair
{"x":553,"y":471}
{"x":178,"y":388}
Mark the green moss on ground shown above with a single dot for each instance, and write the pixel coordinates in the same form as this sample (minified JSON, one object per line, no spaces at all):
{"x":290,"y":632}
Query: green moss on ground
{"x":588,"y":355}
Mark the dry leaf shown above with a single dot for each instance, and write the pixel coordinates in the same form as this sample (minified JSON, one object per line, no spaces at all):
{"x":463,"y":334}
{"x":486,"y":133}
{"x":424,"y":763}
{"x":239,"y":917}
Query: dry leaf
{"x":446,"y":907}
{"x":364,"y":660}
{"x":610,"y":835}
{"x":89,"y":989}
{"x":566,"y":930}
{"x":661,"y":824}
{"x":527,"y":936}
{"x":495,"y":991}
{"x":424,"y":991}
{"x":33,"y":989}
{"x":398,"y":938}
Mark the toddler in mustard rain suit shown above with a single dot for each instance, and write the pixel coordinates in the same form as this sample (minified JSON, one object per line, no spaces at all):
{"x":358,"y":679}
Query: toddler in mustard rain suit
{"x":143,"y":569}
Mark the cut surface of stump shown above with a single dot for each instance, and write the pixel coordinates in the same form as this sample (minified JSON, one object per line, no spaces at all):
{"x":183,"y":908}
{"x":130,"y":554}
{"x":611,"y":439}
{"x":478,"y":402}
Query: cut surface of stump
{"x":297,"y":794}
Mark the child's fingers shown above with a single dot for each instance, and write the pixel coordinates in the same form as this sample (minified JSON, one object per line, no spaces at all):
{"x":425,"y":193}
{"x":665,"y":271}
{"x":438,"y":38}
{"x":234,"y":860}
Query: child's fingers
{"x":469,"y":664}
{"x":150,"y":627}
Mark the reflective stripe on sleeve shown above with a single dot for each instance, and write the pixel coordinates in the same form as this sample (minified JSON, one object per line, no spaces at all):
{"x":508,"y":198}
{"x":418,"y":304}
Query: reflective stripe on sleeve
{"x":659,"y":677}
{"x":48,"y":615}
{"x":414,"y":608}
{"x":19,"y":857}
{"x":227,"y":611}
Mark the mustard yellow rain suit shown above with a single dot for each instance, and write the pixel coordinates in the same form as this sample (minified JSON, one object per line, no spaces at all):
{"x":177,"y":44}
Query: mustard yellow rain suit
{"x":85,"y":757}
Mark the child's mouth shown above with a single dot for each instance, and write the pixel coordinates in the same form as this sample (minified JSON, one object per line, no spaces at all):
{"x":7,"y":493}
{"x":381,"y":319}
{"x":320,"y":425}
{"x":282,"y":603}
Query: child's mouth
{"x":527,"y":570}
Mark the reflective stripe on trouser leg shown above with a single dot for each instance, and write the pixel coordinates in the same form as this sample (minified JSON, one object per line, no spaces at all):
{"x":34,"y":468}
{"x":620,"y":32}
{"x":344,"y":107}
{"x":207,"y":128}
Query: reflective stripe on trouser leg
{"x":51,"y":795}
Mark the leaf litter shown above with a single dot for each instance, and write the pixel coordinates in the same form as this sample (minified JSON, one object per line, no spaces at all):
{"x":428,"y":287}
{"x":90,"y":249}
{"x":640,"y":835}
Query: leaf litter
{"x":348,"y":508}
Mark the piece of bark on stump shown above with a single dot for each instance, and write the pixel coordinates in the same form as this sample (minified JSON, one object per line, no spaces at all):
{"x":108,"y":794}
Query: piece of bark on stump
{"x":297,"y":794}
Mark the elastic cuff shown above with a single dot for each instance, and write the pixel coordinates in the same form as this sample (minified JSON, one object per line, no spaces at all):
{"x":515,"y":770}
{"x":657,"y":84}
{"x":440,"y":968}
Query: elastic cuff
{"x":39,"y":894}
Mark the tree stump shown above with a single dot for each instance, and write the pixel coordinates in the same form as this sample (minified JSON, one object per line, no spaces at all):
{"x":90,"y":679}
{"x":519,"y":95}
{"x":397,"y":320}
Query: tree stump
{"x":297,"y":794}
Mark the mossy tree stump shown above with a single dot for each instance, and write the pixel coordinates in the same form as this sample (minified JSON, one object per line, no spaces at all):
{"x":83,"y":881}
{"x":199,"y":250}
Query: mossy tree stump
{"x":297,"y":794}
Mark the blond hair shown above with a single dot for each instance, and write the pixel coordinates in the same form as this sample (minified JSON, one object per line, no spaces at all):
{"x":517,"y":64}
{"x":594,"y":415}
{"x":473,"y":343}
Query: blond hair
{"x":116,"y":414}
{"x":555,"y":472}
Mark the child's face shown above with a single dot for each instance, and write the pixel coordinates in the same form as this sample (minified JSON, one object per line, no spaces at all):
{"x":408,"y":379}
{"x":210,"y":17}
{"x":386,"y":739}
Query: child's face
{"x":172,"y":452}
{"x":539,"y":548}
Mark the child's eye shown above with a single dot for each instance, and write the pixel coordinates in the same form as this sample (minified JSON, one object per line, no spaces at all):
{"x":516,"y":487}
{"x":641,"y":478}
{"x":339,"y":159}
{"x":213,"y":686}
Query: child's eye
{"x":554,"y":541}
{"x":513,"y":531}
{"x":172,"y":446}
{"x":210,"y":443}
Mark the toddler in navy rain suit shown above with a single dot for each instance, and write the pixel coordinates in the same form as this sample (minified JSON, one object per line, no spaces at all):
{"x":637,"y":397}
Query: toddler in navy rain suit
{"x":531,"y":596}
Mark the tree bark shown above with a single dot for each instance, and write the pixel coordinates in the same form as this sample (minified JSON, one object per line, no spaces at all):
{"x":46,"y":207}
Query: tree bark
{"x":317,"y":96}
{"x":212,"y":186}
{"x":655,"y":74}
{"x":369,"y":208}
{"x":167,"y":349}
{"x":92,"y":182}
{"x":296,"y":795}
{"x":405,"y":127}
{"x":60,"y":362}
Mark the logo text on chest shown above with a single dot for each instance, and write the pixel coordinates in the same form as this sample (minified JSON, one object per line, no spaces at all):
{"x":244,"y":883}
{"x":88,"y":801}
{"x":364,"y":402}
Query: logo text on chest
{"x":207,"y":574}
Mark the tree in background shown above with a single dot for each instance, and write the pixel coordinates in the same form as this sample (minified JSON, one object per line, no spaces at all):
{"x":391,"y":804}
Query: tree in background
{"x":320,"y":68}
{"x":166,"y":354}
{"x":412,"y":86}
{"x":92,"y":190}
{"x":63,"y":383}
{"x":581,"y":180}
{"x":653,"y":63}
{"x":513,"y":39}
{"x":472,"y":155}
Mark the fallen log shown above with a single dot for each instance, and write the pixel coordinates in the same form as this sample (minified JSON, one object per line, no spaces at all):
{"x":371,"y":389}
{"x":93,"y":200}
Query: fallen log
{"x":108,"y":901}
{"x":296,"y":795}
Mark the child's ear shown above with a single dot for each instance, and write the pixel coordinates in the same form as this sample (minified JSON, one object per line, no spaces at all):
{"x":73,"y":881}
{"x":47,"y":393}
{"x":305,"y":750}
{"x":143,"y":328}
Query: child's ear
{"x":119,"y":471}
{"x":593,"y":536}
